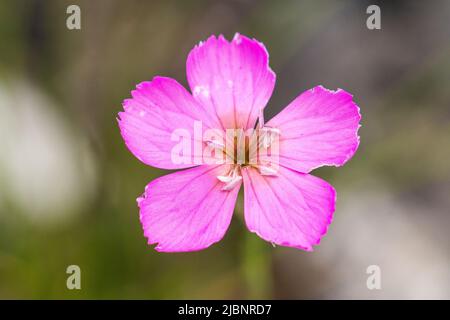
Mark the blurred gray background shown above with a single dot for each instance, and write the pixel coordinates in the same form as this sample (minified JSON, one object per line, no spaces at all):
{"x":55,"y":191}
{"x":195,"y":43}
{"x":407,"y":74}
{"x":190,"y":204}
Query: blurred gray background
{"x":68,"y":184}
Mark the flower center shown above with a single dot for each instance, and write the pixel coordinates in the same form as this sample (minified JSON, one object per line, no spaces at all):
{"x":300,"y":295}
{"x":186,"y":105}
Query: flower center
{"x":253,"y":148}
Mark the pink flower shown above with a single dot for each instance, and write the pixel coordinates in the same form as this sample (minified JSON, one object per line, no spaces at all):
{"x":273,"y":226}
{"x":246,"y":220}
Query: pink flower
{"x":231,"y":83}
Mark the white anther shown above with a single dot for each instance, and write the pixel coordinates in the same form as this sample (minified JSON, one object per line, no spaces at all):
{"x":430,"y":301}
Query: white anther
{"x":267,"y":171}
{"x":230,"y":185}
{"x":231,"y":179}
{"x":224,"y":179}
{"x":215,"y":144}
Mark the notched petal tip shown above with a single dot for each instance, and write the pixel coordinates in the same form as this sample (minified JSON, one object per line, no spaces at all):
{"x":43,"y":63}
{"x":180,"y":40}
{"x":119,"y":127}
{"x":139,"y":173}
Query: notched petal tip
{"x":301,"y":221}
{"x":237,"y":76}
{"x":320,"y":128}
{"x":186,"y":210}
{"x":155,"y":110}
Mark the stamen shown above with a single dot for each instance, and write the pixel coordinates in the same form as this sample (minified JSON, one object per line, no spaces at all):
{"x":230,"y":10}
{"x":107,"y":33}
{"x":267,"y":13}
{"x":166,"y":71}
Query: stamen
{"x":215,"y":144}
{"x":232,"y":183}
{"x":267,"y":171}
{"x":265,"y":138}
{"x":231,"y":179}
{"x":224,"y":179}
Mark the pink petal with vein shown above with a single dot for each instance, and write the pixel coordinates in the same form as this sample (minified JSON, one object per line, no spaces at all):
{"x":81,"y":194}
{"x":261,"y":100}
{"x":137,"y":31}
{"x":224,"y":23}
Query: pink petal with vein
{"x":232,"y":79}
{"x":187,"y":210}
{"x":290,"y":209}
{"x":320,"y":127}
{"x":157,"y":108}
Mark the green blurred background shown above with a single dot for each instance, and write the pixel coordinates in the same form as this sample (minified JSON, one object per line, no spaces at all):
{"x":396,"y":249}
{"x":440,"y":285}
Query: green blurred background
{"x":68,"y":184}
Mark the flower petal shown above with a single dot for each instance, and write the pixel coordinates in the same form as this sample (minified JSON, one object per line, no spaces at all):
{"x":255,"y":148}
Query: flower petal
{"x":157,"y":109}
{"x":290,"y":209}
{"x":187,"y":210}
{"x":233,"y":79}
{"x":320,"y":127}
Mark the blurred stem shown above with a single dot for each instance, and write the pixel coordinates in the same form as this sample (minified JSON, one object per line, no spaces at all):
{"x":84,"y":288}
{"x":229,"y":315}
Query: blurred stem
{"x":257,"y":267}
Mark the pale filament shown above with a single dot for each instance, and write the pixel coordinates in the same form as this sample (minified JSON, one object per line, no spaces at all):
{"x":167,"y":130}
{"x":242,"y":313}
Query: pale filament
{"x":232,"y":176}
